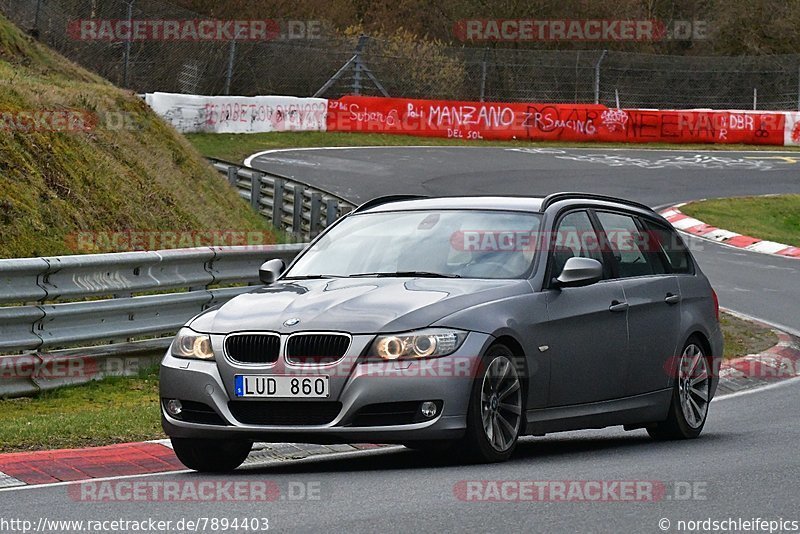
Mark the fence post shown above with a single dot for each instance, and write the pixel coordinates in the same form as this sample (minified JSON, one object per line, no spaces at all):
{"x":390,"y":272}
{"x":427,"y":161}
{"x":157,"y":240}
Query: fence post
{"x":36,"y":17}
{"x":255,"y":190}
{"x":231,"y":62}
{"x":277,"y":203}
{"x":483,"y":73}
{"x":316,"y":208}
{"x":331,"y":211}
{"x":597,"y":77}
{"x":755,"y":98}
{"x":126,"y":67}
{"x":297,"y":211}
{"x":362,"y":41}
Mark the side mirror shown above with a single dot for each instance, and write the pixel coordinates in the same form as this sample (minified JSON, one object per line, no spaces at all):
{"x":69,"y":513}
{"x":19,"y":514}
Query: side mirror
{"x":270,"y":271}
{"x":578,"y":272}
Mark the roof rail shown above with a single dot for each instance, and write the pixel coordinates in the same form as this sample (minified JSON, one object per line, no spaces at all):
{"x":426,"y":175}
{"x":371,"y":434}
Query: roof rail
{"x":557,"y":197}
{"x":386,"y":199}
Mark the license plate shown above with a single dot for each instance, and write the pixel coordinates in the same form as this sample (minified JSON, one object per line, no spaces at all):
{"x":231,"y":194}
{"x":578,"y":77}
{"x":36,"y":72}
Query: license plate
{"x":282,"y":386}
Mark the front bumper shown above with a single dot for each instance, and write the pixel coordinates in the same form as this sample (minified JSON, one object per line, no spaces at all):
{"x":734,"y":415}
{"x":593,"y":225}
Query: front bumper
{"x":448,"y":379}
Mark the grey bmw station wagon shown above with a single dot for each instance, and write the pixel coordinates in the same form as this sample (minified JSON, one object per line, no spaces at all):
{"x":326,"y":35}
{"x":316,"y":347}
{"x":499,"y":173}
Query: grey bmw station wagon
{"x":455,"y":323}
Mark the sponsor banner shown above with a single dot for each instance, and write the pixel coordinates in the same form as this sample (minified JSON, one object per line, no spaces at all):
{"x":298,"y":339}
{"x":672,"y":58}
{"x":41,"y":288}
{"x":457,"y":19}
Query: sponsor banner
{"x":238,"y":114}
{"x":552,"y":122}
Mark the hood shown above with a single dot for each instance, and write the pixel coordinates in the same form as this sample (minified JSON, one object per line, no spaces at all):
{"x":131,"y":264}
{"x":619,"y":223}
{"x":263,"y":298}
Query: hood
{"x":358,"y":306}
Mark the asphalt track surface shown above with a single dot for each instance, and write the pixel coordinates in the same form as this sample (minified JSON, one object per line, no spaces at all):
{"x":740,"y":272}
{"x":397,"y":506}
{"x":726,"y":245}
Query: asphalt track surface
{"x":744,"y":466}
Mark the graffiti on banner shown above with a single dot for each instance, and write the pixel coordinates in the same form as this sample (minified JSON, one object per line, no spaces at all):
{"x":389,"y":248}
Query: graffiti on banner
{"x":543,"y":122}
{"x":236,"y":114}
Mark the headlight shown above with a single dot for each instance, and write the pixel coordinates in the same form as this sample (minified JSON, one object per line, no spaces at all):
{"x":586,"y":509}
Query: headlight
{"x":190,"y":344}
{"x":430,"y":343}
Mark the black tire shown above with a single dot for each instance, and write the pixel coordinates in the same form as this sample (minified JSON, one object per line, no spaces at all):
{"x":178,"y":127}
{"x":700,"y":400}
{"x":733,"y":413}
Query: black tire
{"x":677,"y":426}
{"x":476,"y":445}
{"x":211,"y":455}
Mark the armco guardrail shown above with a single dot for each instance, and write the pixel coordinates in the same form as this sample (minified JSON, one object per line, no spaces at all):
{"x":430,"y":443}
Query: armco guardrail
{"x":108,"y":302}
{"x":293,"y":206}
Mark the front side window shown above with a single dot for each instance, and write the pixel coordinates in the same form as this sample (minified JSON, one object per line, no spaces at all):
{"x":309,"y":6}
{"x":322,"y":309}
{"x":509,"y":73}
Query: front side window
{"x":453,"y":243}
{"x":575,"y":237}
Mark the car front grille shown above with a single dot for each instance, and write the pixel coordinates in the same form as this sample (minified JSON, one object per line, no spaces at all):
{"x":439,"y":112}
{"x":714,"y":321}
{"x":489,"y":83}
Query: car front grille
{"x":317,"y":349}
{"x":285,"y":413}
{"x":253,"y":348}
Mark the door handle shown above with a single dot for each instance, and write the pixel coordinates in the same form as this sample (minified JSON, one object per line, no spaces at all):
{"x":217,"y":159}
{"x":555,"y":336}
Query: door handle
{"x":672,"y":299}
{"x":617,"y":306}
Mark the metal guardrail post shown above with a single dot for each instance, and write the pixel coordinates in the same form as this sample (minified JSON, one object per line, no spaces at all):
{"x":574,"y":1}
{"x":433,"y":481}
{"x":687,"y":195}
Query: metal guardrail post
{"x":331,"y":211}
{"x":297,"y":211}
{"x":316,"y":214}
{"x":233,"y":175}
{"x":255,"y":190}
{"x":277,"y":203}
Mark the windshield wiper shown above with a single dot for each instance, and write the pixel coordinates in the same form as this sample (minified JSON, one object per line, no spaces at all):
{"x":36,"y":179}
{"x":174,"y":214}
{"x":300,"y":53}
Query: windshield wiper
{"x":398,"y":274}
{"x":311,"y":277}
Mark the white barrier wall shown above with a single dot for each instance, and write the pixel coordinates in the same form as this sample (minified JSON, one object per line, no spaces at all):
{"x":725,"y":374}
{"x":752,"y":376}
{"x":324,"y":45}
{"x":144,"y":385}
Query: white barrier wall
{"x":240,"y":114}
{"x":792,"y":130}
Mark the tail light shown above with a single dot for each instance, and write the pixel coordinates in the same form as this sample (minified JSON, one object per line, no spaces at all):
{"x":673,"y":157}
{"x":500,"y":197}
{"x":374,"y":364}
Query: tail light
{"x":716,"y":303}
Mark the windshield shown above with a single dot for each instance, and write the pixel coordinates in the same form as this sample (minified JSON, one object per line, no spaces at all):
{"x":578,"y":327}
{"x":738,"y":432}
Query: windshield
{"x":444,"y":243}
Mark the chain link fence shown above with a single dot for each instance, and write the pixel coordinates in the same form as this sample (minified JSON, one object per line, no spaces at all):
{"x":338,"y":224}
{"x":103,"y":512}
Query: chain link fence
{"x":340,"y":65}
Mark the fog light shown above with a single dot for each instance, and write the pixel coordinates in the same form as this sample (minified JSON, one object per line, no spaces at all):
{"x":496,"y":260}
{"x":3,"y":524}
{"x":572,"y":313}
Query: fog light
{"x":174,"y":407}
{"x":428,"y":409}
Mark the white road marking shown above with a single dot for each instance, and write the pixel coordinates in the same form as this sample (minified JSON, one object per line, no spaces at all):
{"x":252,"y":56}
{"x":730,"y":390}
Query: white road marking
{"x":248,"y":161}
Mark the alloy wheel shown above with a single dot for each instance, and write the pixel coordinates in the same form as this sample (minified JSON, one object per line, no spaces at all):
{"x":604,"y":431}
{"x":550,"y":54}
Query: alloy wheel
{"x":501,"y":403}
{"x":693,"y":385}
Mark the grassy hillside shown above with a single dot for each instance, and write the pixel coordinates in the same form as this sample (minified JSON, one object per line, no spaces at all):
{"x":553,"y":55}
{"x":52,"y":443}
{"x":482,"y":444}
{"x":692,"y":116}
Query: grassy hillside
{"x":127,"y":170}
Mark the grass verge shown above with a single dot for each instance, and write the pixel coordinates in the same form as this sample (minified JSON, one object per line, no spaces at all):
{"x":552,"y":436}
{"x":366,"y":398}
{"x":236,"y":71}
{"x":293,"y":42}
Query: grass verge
{"x":236,"y":147}
{"x":119,"y":410}
{"x":113,"y":410}
{"x":775,"y":218}
{"x":68,"y":184}
{"x":744,"y":337}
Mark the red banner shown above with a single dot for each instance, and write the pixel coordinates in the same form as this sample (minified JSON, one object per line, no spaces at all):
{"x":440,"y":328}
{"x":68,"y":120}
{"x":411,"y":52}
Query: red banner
{"x":551,"y":122}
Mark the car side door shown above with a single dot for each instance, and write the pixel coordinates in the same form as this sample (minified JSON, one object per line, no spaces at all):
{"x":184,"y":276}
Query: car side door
{"x":653,"y":296}
{"x":585,"y":333}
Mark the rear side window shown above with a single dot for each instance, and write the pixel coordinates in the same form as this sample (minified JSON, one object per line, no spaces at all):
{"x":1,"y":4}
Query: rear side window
{"x":672,"y":246}
{"x":629,"y":246}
